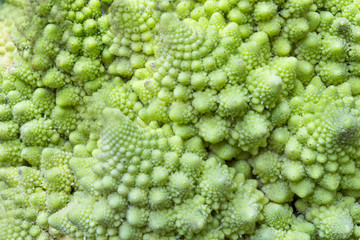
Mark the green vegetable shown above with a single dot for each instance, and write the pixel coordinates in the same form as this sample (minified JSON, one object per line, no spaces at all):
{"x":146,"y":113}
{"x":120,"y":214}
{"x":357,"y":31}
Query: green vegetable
{"x":185,"y":119}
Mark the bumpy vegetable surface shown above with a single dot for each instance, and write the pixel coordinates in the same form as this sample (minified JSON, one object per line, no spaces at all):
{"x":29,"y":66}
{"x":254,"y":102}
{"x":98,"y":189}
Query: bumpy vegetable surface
{"x":185,"y":119}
